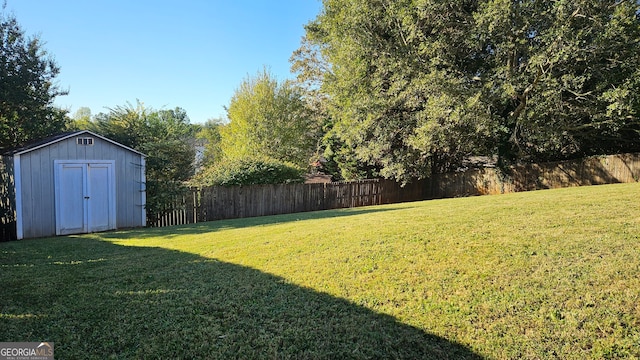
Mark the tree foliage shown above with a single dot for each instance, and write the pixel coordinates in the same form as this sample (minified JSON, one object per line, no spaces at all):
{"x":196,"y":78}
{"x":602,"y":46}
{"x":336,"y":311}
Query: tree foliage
{"x":27,"y":87}
{"x":249,"y":171}
{"x":268,"y":118}
{"x":310,"y":66}
{"x":562,"y":76}
{"x":415,"y":86}
{"x":165,"y":136}
{"x":81,"y":119}
{"x":210,"y":133}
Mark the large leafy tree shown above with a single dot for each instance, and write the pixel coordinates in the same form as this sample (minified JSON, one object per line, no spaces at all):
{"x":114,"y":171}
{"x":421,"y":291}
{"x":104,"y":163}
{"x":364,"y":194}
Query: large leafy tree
{"x":268,"y":118}
{"x":27,"y":87}
{"x":415,"y":86}
{"x":561,"y":77}
{"x":394,"y":110}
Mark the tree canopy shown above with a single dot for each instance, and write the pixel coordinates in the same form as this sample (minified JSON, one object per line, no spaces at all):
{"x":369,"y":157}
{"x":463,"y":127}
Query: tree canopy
{"x":415,"y":86}
{"x":268,"y":118}
{"x":27,"y":87}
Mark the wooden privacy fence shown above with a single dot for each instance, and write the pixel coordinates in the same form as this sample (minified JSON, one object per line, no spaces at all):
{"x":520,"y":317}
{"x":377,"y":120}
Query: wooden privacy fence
{"x":221,"y":202}
{"x":596,"y":170}
{"x":218,"y":202}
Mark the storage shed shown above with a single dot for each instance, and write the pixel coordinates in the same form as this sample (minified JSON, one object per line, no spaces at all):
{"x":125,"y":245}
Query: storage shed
{"x":73,"y":183}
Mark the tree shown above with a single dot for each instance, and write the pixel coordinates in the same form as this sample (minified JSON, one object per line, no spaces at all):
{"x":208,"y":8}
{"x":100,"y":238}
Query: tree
{"x":394,"y":113}
{"x":415,"y":86}
{"x":81,"y":119}
{"x":27,"y":87}
{"x":127,"y":124}
{"x":268,"y":118}
{"x":165,"y":136}
{"x":310,"y":67}
{"x":210,"y":133}
{"x":561,"y":77}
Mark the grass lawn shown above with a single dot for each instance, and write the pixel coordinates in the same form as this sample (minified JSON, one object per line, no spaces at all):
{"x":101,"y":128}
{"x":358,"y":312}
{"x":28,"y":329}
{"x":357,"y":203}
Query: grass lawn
{"x":539,"y":275}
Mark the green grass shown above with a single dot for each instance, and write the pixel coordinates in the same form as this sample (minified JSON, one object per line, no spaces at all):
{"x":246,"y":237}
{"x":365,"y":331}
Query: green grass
{"x":547,"y":274}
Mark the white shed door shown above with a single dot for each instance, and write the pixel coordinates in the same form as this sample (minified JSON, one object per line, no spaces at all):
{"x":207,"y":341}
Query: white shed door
{"x":85,"y":196}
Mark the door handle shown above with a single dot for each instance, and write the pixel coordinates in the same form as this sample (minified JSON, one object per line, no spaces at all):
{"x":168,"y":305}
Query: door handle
{"x":86,"y":197}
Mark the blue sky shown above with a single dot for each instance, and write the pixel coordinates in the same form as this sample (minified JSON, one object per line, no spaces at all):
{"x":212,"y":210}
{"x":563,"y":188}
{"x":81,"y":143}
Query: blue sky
{"x":191,"y":54}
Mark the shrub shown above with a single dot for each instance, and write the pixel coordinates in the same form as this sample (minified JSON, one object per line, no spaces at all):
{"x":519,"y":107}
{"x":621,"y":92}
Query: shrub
{"x":249,"y":171}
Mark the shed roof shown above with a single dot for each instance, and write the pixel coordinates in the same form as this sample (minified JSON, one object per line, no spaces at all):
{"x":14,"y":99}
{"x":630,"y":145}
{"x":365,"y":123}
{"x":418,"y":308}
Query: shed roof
{"x":60,"y":137}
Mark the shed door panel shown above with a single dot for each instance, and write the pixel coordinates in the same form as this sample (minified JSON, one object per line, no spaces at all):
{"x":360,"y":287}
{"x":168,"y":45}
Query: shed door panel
{"x":70,"y":199}
{"x":85,"y":197}
{"x":99,"y":193}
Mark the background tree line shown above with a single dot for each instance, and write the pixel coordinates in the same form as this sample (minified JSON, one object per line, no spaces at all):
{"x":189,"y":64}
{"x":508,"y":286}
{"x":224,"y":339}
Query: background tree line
{"x":389,"y":88}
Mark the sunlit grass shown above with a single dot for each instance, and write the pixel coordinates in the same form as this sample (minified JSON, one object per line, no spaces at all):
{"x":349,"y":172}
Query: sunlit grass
{"x":547,"y":274}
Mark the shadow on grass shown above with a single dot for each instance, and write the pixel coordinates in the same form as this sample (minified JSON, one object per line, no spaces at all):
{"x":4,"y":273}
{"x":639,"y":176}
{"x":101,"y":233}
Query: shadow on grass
{"x":212,"y":226}
{"x":94,"y":299}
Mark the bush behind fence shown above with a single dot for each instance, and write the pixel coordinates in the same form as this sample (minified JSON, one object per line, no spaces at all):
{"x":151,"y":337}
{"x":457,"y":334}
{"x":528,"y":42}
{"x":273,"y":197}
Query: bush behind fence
{"x":219,"y":202}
